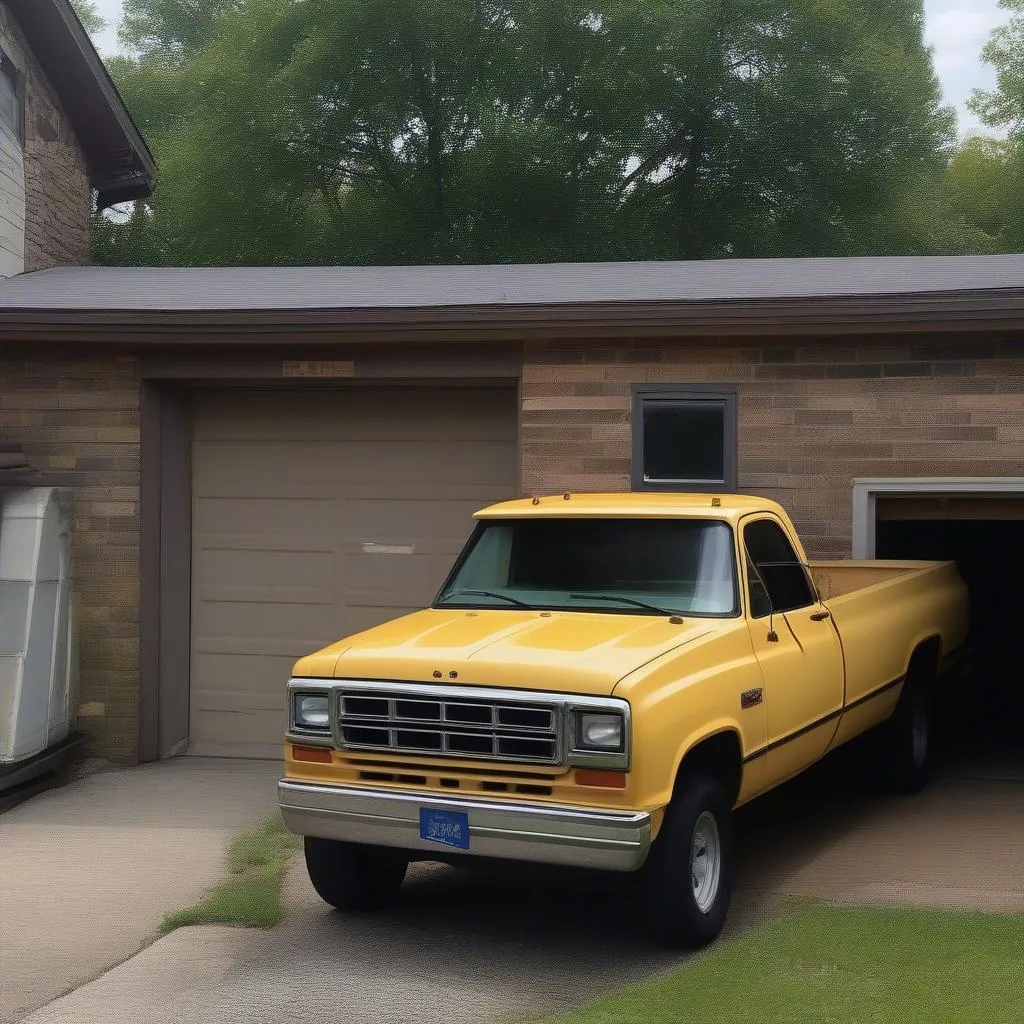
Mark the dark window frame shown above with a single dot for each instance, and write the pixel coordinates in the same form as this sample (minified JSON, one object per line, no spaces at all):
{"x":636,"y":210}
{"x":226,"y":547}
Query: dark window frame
{"x":724,"y":395}
{"x":16,"y":77}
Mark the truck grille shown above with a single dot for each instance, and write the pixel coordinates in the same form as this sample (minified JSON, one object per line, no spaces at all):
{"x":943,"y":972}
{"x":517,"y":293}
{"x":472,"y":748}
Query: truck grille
{"x":408,"y":722}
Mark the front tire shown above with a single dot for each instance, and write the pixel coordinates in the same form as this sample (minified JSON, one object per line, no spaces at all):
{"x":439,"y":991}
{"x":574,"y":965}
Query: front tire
{"x":688,"y":876}
{"x":350,"y":876}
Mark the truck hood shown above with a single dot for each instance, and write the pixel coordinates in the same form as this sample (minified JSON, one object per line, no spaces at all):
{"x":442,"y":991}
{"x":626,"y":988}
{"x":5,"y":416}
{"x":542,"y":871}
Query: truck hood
{"x":572,"y":652}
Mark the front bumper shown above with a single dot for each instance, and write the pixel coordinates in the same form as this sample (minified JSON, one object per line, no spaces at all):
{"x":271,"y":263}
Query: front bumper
{"x":541,"y":833}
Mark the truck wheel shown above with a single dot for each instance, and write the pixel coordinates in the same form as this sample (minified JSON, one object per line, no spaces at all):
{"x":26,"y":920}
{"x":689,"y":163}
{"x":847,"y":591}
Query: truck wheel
{"x":904,"y":744}
{"x":688,"y":876}
{"x":350,"y":876}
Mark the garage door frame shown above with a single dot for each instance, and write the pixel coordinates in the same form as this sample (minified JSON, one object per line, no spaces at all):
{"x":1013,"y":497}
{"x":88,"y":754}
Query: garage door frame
{"x":166,"y":487}
{"x":866,"y":492}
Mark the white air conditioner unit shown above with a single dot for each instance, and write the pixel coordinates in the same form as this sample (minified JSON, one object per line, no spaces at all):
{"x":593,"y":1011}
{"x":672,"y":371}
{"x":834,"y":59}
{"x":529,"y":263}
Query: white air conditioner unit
{"x":36,"y":631}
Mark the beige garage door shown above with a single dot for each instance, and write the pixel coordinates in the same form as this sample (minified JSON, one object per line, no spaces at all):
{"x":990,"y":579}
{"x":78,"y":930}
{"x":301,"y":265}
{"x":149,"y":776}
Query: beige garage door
{"x":317,"y":515}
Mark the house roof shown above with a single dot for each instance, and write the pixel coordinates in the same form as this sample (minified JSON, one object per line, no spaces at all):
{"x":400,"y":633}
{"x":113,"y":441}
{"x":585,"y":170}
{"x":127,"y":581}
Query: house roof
{"x":590,"y":299}
{"x":121,"y":166}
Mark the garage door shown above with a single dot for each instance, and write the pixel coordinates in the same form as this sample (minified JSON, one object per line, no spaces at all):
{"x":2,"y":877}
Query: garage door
{"x":319,"y":514}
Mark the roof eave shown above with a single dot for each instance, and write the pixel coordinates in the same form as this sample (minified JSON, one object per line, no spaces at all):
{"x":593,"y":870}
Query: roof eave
{"x":121,"y":167}
{"x":1000,"y":310}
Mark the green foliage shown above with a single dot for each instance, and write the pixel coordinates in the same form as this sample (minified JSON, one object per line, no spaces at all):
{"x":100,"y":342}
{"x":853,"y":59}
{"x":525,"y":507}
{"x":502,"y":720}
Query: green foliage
{"x":419,"y":131}
{"x":980,"y":188}
{"x":251,"y":895}
{"x":822,"y":965}
{"x":92,"y":21}
{"x":986,"y":177}
{"x":1003,"y":107}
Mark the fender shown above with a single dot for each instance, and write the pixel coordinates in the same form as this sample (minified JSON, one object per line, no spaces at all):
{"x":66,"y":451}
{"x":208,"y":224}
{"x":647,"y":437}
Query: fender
{"x":717,"y":727}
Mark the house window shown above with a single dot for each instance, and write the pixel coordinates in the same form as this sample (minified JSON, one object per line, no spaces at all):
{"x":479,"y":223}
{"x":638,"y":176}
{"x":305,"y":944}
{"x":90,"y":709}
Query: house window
{"x":684,"y":438}
{"x":11,"y":97}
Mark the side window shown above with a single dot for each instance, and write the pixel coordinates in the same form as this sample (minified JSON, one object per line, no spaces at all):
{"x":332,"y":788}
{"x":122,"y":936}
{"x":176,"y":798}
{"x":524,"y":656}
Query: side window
{"x":760,"y":602}
{"x":785,"y":584}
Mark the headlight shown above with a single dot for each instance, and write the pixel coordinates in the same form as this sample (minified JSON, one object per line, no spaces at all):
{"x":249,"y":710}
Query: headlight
{"x":311,"y":711}
{"x":598,"y":731}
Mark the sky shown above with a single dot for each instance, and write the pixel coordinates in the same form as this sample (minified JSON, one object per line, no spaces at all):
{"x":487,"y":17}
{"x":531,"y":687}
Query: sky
{"x":957,"y":29}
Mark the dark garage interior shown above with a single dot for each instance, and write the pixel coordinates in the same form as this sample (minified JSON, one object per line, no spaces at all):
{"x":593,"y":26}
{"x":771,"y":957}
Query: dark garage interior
{"x":979,"y":725}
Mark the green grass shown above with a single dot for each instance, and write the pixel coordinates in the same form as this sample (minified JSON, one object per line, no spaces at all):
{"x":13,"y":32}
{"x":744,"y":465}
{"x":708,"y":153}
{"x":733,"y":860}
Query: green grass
{"x":854,"y":966}
{"x":251,"y":894}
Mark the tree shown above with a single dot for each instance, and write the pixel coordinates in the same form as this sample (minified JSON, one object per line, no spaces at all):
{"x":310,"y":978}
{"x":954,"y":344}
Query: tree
{"x":1003,"y":107}
{"x":987,"y":174}
{"x":421,"y":131}
{"x":92,"y":21}
{"x":980,"y":190}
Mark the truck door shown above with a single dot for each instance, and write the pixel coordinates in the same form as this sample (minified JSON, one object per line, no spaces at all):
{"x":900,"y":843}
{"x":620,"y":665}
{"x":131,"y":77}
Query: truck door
{"x":796,"y":645}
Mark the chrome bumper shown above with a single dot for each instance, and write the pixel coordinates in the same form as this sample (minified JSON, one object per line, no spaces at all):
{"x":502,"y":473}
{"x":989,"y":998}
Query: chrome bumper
{"x":542,"y":833}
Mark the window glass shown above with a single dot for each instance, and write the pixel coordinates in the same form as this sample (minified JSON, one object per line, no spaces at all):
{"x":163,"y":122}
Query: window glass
{"x":760,"y":602}
{"x":684,"y":441}
{"x":628,"y":566}
{"x":785,"y":579}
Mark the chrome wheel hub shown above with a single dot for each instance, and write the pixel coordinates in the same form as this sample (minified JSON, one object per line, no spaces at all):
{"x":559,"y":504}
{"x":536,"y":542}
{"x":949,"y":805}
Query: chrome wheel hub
{"x":705,"y":861}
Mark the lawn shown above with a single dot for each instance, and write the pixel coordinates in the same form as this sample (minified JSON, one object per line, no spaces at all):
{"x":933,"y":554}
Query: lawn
{"x":841,"y":966}
{"x":250,"y":895}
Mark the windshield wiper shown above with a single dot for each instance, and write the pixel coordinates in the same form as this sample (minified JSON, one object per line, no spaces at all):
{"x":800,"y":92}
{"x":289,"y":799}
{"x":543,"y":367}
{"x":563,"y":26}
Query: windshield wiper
{"x":488,"y":593}
{"x":626,"y":600}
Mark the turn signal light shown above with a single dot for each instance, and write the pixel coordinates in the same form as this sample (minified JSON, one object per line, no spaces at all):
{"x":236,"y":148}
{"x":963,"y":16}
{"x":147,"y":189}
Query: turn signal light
{"x":316,"y":755}
{"x":596,"y":777}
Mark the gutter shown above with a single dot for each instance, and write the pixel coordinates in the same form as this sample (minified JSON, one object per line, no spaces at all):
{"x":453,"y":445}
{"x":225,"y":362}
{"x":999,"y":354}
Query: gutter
{"x":933,"y":312}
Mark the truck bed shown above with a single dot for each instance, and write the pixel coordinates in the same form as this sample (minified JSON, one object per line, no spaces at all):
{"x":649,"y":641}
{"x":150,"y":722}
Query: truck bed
{"x":866,"y":598}
{"x":835,"y":579}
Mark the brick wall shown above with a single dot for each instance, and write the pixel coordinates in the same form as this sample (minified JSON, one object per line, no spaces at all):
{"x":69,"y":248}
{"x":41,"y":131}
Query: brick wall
{"x":78,"y":419}
{"x":58,"y":198}
{"x":811,"y":416}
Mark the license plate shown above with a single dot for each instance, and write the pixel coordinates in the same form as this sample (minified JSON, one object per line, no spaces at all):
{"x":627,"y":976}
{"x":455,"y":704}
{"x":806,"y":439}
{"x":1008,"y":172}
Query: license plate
{"x":449,"y":828}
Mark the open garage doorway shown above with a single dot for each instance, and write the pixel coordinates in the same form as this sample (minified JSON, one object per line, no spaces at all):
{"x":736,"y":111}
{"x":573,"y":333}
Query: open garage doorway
{"x":980,"y":721}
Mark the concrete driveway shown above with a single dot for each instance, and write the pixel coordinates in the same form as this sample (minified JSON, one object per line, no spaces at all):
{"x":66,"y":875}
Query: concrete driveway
{"x":88,"y":871}
{"x":478,"y":947}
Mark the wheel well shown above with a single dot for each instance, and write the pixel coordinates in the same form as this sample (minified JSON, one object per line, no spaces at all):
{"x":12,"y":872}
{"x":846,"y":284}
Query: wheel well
{"x":925,"y":658}
{"x":719,"y":756}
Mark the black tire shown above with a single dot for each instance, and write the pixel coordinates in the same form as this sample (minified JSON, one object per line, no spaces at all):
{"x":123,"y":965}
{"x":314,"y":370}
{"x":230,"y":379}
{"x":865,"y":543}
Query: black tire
{"x":903,"y":750}
{"x":670,"y":887}
{"x":350,"y":876}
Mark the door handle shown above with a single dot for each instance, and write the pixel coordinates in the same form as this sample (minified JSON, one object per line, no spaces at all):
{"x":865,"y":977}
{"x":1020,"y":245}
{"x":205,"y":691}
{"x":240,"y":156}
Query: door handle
{"x":820,"y":616}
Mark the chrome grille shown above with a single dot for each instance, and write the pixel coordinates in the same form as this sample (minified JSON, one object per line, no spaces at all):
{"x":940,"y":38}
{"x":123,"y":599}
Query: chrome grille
{"x":407,"y":722}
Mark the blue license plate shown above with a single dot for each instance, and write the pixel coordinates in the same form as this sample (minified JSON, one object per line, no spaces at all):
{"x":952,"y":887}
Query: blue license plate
{"x":449,"y":828}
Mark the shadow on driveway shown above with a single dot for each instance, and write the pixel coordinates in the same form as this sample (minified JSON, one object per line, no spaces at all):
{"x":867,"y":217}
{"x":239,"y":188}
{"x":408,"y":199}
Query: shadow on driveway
{"x":484,"y":943}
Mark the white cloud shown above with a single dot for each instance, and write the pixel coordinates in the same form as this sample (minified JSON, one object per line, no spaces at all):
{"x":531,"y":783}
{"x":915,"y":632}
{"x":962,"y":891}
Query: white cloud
{"x":957,"y":30}
{"x":110,"y":10}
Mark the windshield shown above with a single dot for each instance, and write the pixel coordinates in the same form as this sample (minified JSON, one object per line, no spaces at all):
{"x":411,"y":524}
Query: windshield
{"x":627,"y":566}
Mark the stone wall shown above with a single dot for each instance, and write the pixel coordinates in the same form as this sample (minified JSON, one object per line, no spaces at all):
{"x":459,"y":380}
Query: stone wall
{"x":77,"y":419}
{"x":58,"y":198}
{"x":812,"y":416}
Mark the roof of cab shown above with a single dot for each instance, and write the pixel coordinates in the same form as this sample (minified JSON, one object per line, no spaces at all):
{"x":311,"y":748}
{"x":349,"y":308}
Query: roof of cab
{"x":633,"y":504}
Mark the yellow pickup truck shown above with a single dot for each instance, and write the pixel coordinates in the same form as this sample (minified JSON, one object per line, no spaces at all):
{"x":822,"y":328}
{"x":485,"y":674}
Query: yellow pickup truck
{"x":601,"y":680}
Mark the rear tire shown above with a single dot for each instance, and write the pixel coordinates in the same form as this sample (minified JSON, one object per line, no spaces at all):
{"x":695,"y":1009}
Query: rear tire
{"x":904,"y":744}
{"x":687,"y":880}
{"x":350,"y":876}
